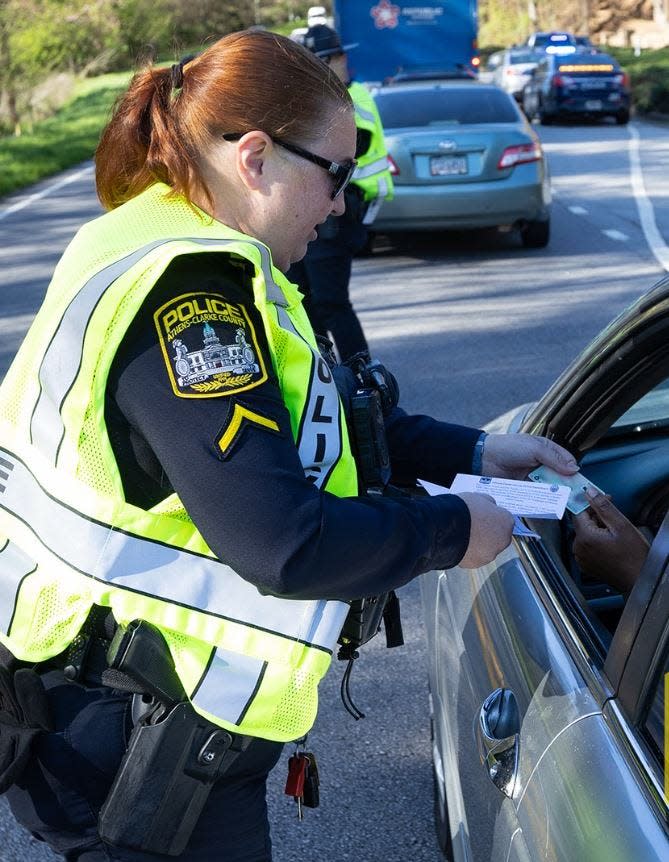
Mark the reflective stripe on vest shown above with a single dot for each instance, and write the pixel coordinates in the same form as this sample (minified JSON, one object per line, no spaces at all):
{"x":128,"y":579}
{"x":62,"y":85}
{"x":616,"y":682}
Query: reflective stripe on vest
{"x":319,"y":439}
{"x":60,"y":364}
{"x":377,"y":167}
{"x":364,"y":114}
{"x":153,"y":568}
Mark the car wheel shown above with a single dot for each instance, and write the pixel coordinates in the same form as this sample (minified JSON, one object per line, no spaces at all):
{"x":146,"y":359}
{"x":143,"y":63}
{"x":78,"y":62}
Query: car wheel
{"x":623,"y":118}
{"x":535,"y":234}
{"x":441,"y":820}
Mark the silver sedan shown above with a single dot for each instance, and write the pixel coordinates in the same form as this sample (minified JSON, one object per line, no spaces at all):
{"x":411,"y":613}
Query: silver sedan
{"x":549,"y":688}
{"x":462,"y":155}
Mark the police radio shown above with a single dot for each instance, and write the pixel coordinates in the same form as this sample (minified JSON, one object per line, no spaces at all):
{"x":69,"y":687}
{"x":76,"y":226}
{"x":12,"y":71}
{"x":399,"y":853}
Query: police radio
{"x":375,"y":397}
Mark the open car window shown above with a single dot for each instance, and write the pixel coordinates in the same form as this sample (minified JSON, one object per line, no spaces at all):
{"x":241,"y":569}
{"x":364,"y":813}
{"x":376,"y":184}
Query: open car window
{"x":657,"y":708}
{"x":611,"y":409}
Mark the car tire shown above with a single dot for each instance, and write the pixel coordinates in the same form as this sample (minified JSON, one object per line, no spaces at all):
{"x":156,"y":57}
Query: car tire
{"x":536,"y":234}
{"x":546,"y":119}
{"x":623,"y":118}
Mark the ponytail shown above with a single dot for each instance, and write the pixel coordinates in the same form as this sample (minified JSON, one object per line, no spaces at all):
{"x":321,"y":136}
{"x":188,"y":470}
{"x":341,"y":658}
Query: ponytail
{"x":169,"y":116}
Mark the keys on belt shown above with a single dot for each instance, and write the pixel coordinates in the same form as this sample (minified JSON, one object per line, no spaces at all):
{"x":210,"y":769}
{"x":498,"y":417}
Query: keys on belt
{"x":303,"y":782}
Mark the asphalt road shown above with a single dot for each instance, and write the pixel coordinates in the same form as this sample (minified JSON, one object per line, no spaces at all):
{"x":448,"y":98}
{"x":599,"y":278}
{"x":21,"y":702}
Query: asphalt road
{"x":471,"y":325}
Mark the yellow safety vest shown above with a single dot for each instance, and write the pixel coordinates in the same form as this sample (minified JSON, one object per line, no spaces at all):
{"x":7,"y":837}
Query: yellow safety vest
{"x":371,"y":174}
{"x":68,"y":539}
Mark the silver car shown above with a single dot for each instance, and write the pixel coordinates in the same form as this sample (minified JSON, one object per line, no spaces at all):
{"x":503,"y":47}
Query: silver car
{"x":462,"y":155}
{"x":512,"y":70}
{"x":550,"y":690}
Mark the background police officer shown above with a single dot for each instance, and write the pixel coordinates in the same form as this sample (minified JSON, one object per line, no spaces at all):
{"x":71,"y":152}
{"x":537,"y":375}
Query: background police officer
{"x":324,"y":274}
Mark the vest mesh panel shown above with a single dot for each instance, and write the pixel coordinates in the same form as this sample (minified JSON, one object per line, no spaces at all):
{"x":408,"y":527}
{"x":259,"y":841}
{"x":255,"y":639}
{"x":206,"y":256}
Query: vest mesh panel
{"x":92,"y":468}
{"x":52,"y":604}
{"x":297,"y":705}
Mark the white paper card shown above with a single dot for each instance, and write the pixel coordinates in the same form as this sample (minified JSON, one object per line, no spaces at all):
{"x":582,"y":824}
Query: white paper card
{"x":519,"y":529}
{"x":527,"y":499}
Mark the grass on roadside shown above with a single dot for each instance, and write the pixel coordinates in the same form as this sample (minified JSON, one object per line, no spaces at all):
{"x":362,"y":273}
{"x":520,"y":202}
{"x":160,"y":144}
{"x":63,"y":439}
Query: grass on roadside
{"x":68,"y":137}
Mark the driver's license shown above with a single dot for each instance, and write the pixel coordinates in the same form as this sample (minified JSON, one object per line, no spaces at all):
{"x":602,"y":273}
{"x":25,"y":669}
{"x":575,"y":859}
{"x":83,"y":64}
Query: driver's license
{"x":577,"y":501}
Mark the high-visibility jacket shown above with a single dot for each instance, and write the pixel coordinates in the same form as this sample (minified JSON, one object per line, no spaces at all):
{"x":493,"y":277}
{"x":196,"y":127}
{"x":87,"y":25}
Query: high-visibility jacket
{"x":68,"y":539}
{"x":372,"y":174}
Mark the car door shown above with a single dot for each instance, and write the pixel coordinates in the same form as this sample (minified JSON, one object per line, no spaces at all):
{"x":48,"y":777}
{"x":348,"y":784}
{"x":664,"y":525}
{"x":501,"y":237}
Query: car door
{"x":499,"y":654}
{"x":546,"y":740}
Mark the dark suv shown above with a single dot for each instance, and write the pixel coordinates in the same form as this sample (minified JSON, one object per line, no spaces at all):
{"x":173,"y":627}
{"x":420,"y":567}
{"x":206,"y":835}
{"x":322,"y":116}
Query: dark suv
{"x":578,"y":85}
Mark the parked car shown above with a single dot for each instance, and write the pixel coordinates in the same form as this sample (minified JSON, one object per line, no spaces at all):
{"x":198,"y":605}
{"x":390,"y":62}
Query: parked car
{"x":553,"y":42}
{"x":462,"y":155}
{"x":548,"y":688}
{"x":581,"y":85}
{"x":511,"y":70}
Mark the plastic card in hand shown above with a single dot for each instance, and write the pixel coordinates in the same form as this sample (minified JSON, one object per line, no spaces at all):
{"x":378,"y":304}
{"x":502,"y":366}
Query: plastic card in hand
{"x":577,"y":484}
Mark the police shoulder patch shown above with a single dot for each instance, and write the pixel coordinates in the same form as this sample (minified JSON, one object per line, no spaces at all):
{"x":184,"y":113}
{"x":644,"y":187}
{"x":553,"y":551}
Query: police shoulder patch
{"x":209,"y":345}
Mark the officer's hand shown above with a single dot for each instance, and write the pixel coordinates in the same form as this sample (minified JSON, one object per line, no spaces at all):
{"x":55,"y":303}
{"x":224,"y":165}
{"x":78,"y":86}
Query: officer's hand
{"x":513,"y":456}
{"x":606,"y":545}
{"x":490,"y":530}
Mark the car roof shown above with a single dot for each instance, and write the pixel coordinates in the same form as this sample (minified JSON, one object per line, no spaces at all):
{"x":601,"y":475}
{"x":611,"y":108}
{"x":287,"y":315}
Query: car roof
{"x":553,"y":34}
{"x":431,"y":73}
{"x":436,"y":84}
{"x":587,"y":58}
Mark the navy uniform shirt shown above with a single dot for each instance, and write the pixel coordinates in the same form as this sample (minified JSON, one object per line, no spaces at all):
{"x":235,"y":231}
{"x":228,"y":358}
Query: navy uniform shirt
{"x":249,"y":497}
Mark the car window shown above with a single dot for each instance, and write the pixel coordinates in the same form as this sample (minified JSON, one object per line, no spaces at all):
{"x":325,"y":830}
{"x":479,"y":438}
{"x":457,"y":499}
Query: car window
{"x":448,"y":105}
{"x":525,"y":57}
{"x":650,"y":412}
{"x":654,"y":723}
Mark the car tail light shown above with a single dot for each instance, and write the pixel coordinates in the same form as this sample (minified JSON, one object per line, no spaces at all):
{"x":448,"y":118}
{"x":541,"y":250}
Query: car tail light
{"x":562,"y":81}
{"x":623,"y":79}
{"x":519,"y":155}
{"x":392,"y":166}
{"x":476,"y":62}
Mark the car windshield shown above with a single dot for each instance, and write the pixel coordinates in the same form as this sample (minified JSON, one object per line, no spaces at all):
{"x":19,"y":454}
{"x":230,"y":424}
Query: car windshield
{"x":525,"y":57}
{"x":447,"y":105}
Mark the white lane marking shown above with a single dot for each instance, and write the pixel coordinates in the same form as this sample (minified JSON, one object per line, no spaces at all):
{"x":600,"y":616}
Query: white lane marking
{"x":646,"y":213}
{"x":578,"y":210}
{"x":24,"y":202}
{"x":616,"y":234}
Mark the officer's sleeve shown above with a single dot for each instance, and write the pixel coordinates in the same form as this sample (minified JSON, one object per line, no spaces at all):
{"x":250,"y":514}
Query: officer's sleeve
{"x":226,"y":445}
{"x":424,"y":448}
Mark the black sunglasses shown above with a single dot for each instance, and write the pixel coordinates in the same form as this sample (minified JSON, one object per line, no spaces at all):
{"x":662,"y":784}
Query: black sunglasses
{"x":341,"y":172}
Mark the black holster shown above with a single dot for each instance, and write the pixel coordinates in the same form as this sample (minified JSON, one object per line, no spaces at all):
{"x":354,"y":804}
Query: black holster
{"x":174,"y":754}
{"x":173,"y":758}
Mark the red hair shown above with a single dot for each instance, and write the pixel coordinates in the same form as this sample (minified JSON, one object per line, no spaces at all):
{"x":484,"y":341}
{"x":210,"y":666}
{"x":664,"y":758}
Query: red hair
{"x":248,"y":80}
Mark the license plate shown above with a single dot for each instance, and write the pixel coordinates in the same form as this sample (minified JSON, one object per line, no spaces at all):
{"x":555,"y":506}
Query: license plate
{"x":593,"y":105}
{"x":447,"y":166}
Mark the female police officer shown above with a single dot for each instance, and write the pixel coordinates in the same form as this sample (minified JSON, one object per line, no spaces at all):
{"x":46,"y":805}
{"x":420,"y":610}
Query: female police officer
{"x":173,"y":448}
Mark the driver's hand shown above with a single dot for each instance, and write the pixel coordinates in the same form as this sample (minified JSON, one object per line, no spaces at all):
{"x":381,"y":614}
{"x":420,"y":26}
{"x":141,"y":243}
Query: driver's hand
{"x":607,"y":546}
